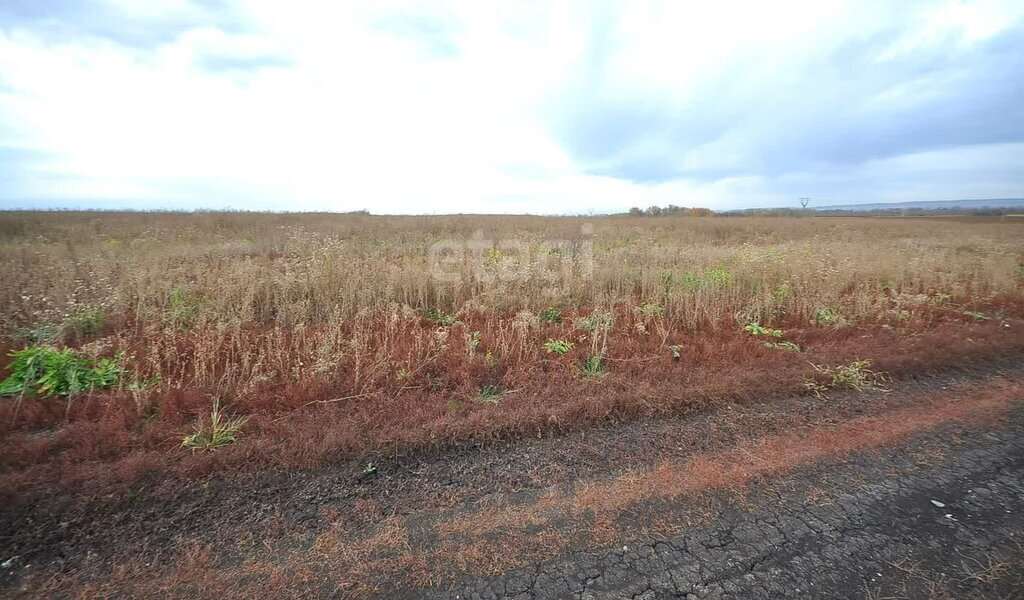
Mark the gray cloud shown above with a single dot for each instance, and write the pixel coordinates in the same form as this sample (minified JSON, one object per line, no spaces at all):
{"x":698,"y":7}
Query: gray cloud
{"x":828,"y":110}
{"x":976,"y":97}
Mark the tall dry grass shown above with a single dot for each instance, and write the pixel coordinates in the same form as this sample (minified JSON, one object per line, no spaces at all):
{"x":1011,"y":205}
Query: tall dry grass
{"x":287,"y":270}
{"x":341,"y":335}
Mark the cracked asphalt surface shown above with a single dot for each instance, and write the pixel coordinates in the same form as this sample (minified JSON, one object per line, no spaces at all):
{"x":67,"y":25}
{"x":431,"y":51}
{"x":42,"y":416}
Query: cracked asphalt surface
{"x":890,"y":528}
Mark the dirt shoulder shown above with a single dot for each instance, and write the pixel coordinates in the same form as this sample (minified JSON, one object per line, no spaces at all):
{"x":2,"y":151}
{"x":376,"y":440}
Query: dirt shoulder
{"x":712,"y":502}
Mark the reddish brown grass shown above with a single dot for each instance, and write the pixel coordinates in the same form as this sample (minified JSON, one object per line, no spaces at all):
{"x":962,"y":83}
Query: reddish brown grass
{"x":101,"y":440}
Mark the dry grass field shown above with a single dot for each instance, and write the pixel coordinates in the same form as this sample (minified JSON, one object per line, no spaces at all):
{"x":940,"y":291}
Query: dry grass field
{"x":255,"y":405}
{"x":225,"y":342}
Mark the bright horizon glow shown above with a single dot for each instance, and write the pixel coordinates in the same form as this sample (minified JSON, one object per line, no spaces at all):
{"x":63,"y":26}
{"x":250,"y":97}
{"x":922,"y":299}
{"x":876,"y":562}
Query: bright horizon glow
{"x":452,"y":107}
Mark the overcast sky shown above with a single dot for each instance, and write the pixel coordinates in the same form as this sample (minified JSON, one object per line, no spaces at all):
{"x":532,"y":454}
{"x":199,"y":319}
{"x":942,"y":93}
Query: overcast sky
{"x":541,"y":107}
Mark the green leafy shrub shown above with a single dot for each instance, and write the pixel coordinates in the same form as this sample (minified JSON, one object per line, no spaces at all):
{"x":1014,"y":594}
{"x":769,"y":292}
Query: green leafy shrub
{"x":473,"y":340}
{"x":489,"y":394}
{"x":558,"y":347}
{"x":439,"y":318}
{"x":689,"y":281}
{"x":782,"y":293}
{"x":594,"y":321}
{"x":492,"y":258}
{"x":593,"y":367}
{"x":47,"y":371}
{"x":218,"y":431}
{"x":827,"y":316}
{"x":668,"y":280}
{"x":83,"y":323}
{"x":550,"y":315}
{"x":651,"y":310}
{"x":39,"y":333}
{"x":184,"y":308}
{"x":673,"y":281}
{"x":87,"y":321}
{"x":756,"y":329}
{"x":718,"y":277}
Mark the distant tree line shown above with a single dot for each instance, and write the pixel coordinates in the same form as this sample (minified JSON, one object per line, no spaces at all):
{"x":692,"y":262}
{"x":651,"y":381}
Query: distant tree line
{"x":669,"y":211}
{"x":878,"y":212}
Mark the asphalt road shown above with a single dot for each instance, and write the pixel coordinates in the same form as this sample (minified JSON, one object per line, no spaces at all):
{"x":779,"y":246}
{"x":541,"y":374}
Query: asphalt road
{"x":882,"y":525}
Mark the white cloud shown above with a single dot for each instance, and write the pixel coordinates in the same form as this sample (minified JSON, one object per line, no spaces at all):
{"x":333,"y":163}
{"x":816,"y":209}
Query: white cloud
{"x":446,"y":107}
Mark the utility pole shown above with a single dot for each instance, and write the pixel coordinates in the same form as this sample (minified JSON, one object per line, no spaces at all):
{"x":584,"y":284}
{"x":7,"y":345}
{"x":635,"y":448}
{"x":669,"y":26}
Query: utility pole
{"x":804,"y":202}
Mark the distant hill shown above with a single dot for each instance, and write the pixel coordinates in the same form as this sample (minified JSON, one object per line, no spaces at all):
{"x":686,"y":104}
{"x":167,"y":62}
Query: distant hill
{"x":929,"y":205}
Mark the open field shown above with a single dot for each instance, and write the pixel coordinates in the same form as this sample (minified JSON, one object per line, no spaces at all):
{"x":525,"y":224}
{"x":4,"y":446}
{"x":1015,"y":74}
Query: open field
{"x":222,"y":347}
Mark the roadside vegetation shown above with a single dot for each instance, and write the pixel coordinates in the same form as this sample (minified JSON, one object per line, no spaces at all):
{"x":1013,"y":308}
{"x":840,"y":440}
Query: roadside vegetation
{"x":181,"y":344}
